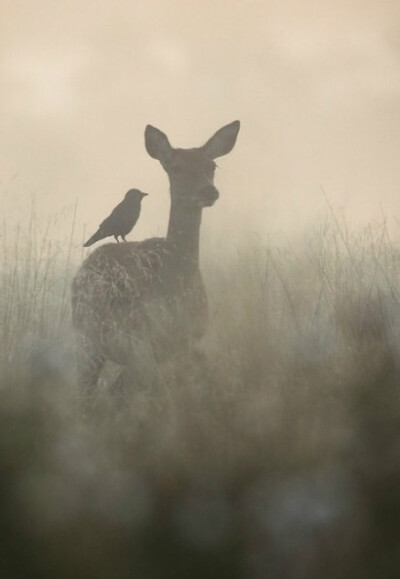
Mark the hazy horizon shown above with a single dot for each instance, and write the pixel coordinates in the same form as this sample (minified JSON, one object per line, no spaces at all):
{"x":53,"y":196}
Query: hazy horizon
{"x":316,"y":87}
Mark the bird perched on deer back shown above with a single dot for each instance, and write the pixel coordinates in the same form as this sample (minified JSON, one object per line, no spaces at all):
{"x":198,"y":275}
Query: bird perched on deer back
{"x":122,"y":219}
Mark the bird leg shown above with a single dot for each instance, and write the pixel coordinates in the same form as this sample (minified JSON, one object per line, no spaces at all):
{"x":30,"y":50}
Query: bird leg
{"x":116,"y":238}
{"x":123,"y":237}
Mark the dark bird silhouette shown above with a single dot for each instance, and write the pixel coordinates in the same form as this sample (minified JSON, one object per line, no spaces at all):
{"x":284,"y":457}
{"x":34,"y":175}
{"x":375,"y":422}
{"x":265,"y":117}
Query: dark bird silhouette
{"x":122,"y":219}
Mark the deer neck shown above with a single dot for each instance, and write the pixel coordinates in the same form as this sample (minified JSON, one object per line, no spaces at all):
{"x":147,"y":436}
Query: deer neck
{"x":184,"y":234}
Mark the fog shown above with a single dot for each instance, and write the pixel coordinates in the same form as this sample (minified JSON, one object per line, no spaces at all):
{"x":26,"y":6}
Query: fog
{"x":270,"y":447}
{"x":316,"y":86}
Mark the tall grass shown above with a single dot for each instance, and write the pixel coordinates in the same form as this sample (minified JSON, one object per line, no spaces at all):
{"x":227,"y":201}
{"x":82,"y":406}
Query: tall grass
{"x":36,"y":268}
{"x":273,"y":453}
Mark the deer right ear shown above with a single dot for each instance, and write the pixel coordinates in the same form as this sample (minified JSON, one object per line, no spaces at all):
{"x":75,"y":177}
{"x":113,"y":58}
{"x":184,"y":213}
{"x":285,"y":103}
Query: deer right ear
{"x":157,"y":144}
{"x":223,"y":141}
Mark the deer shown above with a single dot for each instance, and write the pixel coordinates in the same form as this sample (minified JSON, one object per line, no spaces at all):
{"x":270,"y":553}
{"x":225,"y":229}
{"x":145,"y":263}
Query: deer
{"x":137,"y":303}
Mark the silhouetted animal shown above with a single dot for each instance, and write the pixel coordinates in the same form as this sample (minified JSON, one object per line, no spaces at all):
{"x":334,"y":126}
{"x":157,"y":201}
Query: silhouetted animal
{"x":141,"y":302}
{"x":122,"y":219}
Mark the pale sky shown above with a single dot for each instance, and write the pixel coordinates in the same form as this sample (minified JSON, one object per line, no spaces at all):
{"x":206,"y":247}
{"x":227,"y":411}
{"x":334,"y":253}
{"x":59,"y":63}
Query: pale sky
{"x":315,"y":84}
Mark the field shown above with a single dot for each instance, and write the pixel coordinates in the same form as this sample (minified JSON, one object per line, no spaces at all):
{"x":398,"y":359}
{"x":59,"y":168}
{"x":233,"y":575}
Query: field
{"x":274,"y":454}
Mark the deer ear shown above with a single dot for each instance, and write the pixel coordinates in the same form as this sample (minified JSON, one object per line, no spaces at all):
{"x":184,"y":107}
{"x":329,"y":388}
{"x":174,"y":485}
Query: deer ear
{"x":157,"y":144}
{"x":223,"y":141}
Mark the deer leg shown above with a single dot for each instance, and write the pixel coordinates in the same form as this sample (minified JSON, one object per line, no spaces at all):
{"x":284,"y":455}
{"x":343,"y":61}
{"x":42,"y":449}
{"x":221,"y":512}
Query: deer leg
{"x":90,"y":363}
{"x":122,"y":386}
{"x":140,"y":374}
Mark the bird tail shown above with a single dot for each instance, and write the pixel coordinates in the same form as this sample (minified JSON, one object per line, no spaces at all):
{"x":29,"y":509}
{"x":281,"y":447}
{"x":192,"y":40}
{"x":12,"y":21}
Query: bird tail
{"x":96,"y":237}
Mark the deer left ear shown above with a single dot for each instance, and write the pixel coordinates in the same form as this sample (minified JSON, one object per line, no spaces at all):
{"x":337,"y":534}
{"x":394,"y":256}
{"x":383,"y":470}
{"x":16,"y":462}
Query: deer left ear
{"x":157,"y":144}
{"x":223,"y":141}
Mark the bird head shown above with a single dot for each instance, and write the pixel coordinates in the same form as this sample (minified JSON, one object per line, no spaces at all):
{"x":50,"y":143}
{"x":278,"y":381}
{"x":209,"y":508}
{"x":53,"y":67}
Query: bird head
{"x":135,"y":195}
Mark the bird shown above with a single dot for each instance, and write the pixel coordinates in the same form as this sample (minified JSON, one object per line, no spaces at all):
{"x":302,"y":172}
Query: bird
{"x":121,"y":220}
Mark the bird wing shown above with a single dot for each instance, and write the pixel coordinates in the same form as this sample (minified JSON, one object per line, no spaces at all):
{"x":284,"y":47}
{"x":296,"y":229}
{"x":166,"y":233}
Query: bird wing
{"x":108,"y":223}
{"x":121,"y":219}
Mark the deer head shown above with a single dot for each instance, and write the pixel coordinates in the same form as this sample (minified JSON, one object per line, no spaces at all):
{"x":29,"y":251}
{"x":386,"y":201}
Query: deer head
{"x":191,"y":171}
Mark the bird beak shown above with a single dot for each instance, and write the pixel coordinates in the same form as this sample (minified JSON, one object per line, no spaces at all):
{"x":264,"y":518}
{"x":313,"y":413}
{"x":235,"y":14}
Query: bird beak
{"x":144,"y":194}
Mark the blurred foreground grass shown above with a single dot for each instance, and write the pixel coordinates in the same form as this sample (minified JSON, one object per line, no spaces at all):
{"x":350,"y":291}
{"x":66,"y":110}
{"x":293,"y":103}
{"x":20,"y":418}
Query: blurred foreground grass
{"x":275,"y":455}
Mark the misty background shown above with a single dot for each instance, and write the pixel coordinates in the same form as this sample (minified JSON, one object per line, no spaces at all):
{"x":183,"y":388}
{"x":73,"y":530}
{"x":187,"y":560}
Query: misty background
{"x":316,"y":85}
{"x":273,"y":450}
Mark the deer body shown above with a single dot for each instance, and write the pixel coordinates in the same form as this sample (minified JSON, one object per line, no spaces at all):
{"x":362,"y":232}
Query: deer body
{"x":147,"y":296}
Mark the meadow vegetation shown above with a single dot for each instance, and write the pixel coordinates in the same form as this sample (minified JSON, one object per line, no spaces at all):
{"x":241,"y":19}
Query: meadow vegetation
{"x":273,"y":453}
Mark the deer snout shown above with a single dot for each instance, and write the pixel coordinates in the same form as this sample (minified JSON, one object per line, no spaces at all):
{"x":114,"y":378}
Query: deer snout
{"x":208,"y":195}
